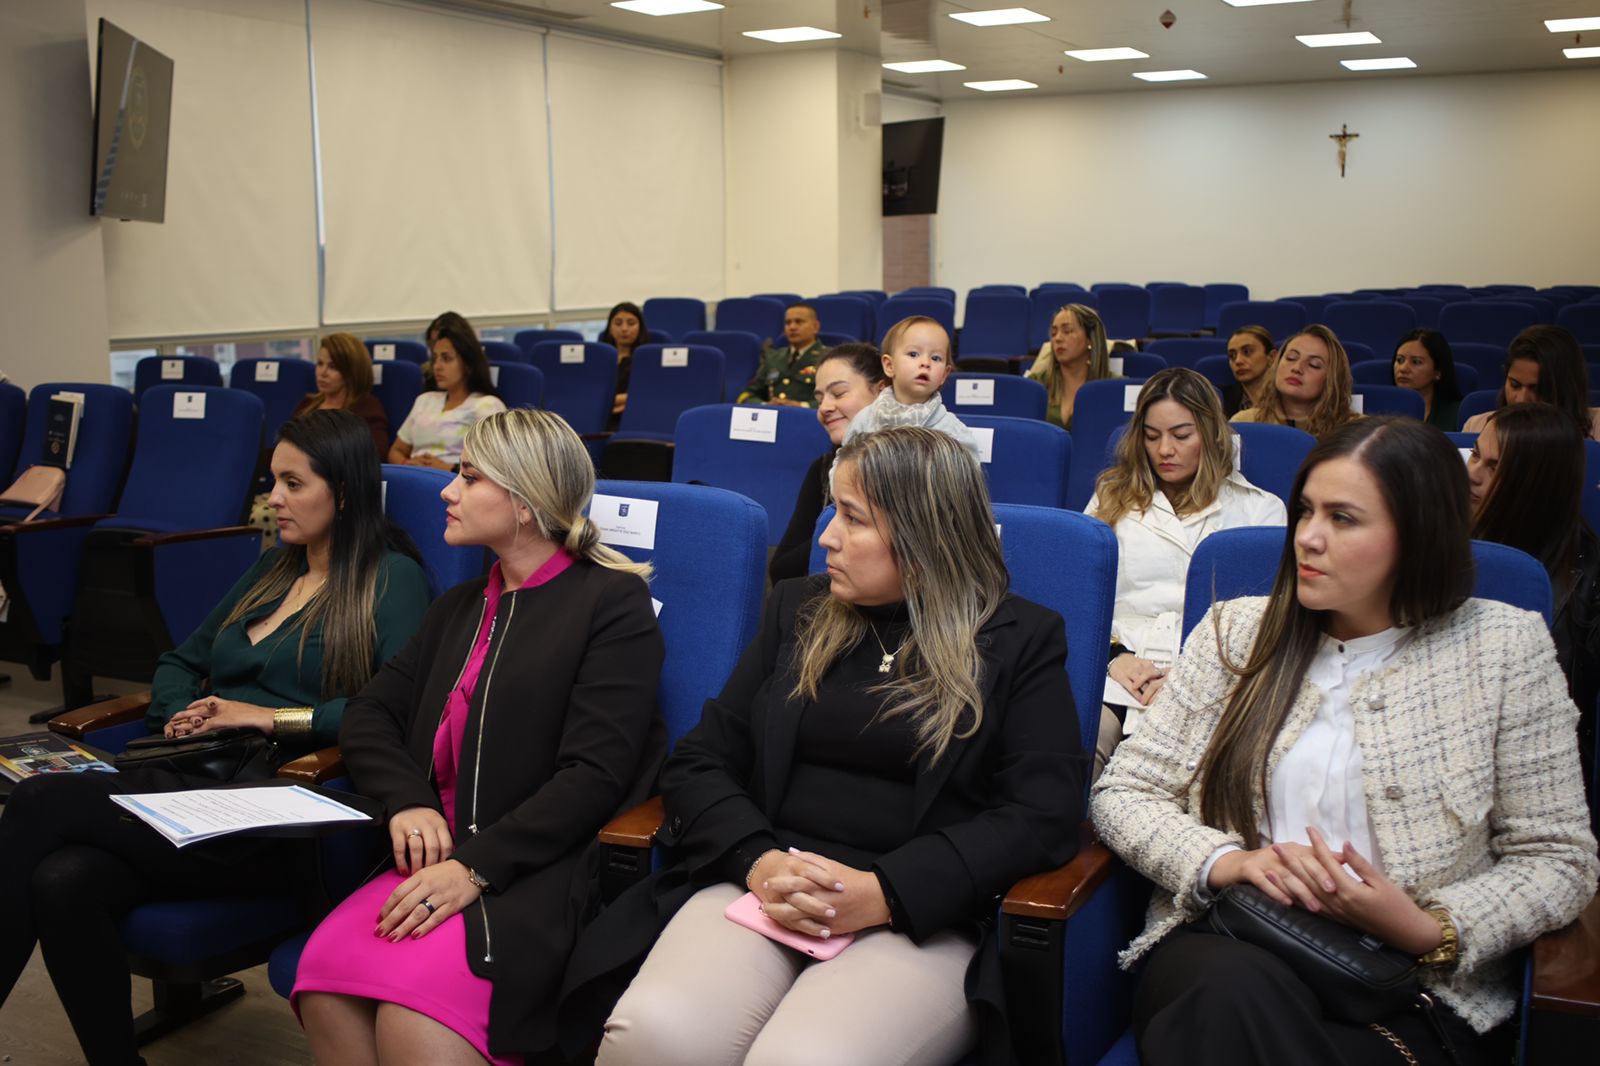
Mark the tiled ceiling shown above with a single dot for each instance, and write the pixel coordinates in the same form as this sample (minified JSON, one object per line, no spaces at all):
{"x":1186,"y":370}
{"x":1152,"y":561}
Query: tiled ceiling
{"x":1230,"y":45}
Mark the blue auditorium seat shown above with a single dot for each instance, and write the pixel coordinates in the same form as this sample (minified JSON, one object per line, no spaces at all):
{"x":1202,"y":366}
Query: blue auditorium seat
{"x":1028,"y":459}
{"x":1223,"y":292}
{"x":1099,"y":408}
{"x":967,"y":393}
{"x":1125,"y":309}
{"x":174,"y":370}
{"x":937,"y":292}
{"x":1475,"y":403}
{"x":767,"y":471}
{"x":1280,"y":318}
{"x":1270,"y":456}
{"x":1179,"y":309}
{"x":411,"y":500}
{"x":397,"y":385}
{"x":741,"y":352}
{"x":849,"y":314}
{"x":383,"y":350}
{"x":580,"y":381}
{"x":996,"y":323}
{"x":280,"y":385}
{"x":759,"y":315}
{"x":1390,"y":400}
{"x":896,"y":308}
{"x":1137,"y":364}
{"x":1582,"y":321}
{"x":1215,"y":369}
{"x":504,"y":352}
{"x":518,"y":384}
{"x":666,"y":381}
{"x":1488,"y":359}
{"x":1187,"y":351}
{"x":527,"y":339}
{"x":1045,"y":302}
{"x":675,"y":314}
{"x":1313,"y":304}
{"x":1379,"y":324}
{"x":1486,"y":321}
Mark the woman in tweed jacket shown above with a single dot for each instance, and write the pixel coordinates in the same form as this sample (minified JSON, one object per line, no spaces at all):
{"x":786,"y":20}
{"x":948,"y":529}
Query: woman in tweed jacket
{"x":1367,"y":743}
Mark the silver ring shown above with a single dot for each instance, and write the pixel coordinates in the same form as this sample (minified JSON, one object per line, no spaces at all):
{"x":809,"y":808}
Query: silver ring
{"x":428,"y":903}
{"x":414,"y":833}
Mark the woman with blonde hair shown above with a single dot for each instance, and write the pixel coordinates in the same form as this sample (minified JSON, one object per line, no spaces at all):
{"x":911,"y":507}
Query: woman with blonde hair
{"x":1311,"y":385}
{"x":1173,"y":485}
{"x":495,"y":770}
{"x":344,"y":383}
{"x":1076,"y":352}
{"x":896,"y":747}
{"x":1368,"y":745}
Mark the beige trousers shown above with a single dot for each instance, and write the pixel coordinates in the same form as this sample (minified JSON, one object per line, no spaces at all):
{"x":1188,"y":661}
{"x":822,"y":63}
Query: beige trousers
{"x":712,"y":992}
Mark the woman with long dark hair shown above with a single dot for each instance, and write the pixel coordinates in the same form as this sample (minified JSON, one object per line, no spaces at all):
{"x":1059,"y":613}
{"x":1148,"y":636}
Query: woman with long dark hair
{"x":1545,"y":364}
{"x":895,"y":748}
{"x":344,"y":383}
{"x":1526,"y":475}
{"x":300,"y":632}
{"x":1423,"y":363}
{"x":463,"y":392}
{"x":625,"y":330}
{"x":1076,"y":352}
{"x":1368,"y":744}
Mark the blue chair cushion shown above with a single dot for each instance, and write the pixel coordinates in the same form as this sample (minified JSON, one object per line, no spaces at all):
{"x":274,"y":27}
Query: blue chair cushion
{"x":182,"y":931}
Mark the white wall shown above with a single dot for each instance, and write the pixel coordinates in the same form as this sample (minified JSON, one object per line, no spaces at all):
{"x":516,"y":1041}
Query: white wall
{"x":860,"y":174}
{"x":50,"y":250}
{"x":1476,"y":180}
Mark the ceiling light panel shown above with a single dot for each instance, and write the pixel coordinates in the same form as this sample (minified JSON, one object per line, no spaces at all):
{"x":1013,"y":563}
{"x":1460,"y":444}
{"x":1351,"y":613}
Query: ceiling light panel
{"x":1004,"y":16}
{"x":924,"y":66}
{"x":1391,"y":63}
{"x":667,"y":7}
{"x":1337,"y":40}
{"x":1103,"y":55}
{"x":792,"y":34}
{"x":1261,"y":3}
{"x":1571,"y":25}
{"x":1168,"y":75}
{"x":1004,"y":85}
{"x":1581,"y":53}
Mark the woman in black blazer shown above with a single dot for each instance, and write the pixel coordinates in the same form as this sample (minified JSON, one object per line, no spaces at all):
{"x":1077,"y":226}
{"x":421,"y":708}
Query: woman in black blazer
{"x":519,"y":720}
{"x":896,"y":748}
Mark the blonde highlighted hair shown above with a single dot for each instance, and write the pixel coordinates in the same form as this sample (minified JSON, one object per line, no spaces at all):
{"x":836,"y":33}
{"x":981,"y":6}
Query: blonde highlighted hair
{"x":542,"y":463}
{"x":928,"y":499}
{"x":1332,"y":408}
{"x":1045,"y":368}
{"x":1131,"y":485}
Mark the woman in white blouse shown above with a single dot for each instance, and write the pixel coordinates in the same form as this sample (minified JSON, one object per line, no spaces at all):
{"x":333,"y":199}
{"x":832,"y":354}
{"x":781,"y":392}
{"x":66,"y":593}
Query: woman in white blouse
{"x":1367,"y":743}
{"x":463,"y":393}
{"x":1173,"y":485}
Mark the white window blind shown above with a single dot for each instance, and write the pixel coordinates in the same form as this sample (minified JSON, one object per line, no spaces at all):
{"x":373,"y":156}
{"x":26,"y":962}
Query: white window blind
{"x":637,"y":142}
{"x":434,"y":162}
{"x":237,"y":251}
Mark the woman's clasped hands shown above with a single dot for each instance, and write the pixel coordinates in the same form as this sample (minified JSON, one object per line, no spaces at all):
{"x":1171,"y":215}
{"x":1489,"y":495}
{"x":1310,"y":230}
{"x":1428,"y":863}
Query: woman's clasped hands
{"x":1315,"y":878}
{"x":811,"y":894}
{"x":438,"y":886}
{"x":211,"y":713}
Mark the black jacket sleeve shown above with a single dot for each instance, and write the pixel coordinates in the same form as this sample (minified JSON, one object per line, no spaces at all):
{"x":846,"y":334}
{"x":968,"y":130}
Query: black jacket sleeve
{"x":792,"y":557}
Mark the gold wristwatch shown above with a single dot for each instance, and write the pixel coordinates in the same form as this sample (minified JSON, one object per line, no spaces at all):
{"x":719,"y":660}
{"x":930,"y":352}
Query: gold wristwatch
{"x":480,"y":881}
{"x":1449,"y":948}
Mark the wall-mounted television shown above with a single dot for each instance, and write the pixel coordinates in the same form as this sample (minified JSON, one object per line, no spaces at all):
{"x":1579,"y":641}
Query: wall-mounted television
{"x":911,"y":152}
{"x":132,"y":120}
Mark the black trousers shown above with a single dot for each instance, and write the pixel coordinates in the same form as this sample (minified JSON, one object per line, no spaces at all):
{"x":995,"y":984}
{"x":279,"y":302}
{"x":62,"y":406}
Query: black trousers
{"x":72,"y":864}
{"x":1208,"y":999}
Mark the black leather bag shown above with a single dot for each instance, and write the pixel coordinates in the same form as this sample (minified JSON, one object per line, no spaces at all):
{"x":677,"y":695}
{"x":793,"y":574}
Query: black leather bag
{"x":1358,"y":977}
{"x":227,"y":755}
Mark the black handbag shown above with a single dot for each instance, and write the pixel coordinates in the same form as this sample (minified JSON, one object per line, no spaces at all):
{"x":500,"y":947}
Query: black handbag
{"x":226,"y":755}
{"x":1358,"y":977}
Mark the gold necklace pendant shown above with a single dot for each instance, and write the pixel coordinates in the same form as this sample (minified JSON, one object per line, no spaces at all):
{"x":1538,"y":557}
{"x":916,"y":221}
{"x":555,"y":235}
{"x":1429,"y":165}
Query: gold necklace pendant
{"x":886,"y":664}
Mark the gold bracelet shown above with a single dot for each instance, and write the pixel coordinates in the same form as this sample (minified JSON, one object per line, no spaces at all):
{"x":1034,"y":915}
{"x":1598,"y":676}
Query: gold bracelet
{"x":1449,"y":949}
{"x":290,"y":723}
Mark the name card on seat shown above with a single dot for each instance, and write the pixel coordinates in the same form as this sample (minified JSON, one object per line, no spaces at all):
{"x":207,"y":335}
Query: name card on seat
{"x":985,"y":436}
{"x":674,"y":357}
{"x":377,"y":375}
{"x":1358,"y":403}
{"x":974,"y":392}
{"x":383,"y":352}
{"x":188,"y":405}
{"x":494,"y":375}
{"x":572,"y":353}
{"x":1238,"y":454}
{"x":1116,"y":362}
{"x":172,"y":370}
{"x":625,"y":522}
{"x":1130,"y":397}
{"x":759,"y":424}
{"x":267,"y":370}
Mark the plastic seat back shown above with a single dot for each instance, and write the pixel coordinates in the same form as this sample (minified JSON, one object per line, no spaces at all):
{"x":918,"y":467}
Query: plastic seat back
{"x":709,"y":550}
{"x":518,"y":384}
{"x":1390,"y":400}
{"x":384,"y":350}
{"x":1486,"y":321}
{"x":1219,"y":293}
{"x":397,"y":385}
{"x":155,"y":370}
{"x":666,"y":381}
{"x":527,"y":339}
{"x":177,"y":424}
{"x":741,"y":353}
{"x":1027,"y":460}
{"x":1099,"y":408}
{"x":1125,"y":309}
{"x":1280,"y":318}
{"x":280,"y":385}
{"x":760,"y":315}
{"x":762,"y":453}
{"x":967,"y":393}
{"x":675,"y":314}
{"x":1582,"y":320}
{"x":896,"y":308}
{"x":1270,"y":456}
{"x":1045,"y":302}
{"x":1215,"y":369}
{"x":1488,"y":359}
{"x":1187,"y":351}
{"x":996,"y":323}
{"x":504,"y":352}
{"x":580,"y":381}
{"x":411,"y":500}
{"x":1379,"y":324}
{"x":849,"y":314}
{"x":100,"y":456}
{"x":1136,"y":364}
{"x":1177,"y":308}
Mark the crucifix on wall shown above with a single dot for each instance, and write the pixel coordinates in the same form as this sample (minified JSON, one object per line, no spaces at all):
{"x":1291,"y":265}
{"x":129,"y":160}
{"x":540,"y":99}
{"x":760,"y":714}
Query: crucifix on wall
{"x":1344,"y":137}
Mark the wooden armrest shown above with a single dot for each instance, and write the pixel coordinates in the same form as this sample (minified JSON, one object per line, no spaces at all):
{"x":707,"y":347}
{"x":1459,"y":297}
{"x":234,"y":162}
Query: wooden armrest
{"x":156,"y":540}
{"x":1566,"y":967}
{"x":46,"y":524}
{"x":76,"y":724}
{"x":317,"y":768}
{"x":635,"y":828}
{"x":1057,"y":894}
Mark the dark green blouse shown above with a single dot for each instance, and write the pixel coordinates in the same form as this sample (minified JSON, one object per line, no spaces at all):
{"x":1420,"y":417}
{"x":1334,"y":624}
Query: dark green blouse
{"x":273,"y":673}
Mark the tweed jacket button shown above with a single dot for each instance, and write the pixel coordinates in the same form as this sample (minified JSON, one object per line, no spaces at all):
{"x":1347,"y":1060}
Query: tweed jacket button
{"x":1393,"y":792}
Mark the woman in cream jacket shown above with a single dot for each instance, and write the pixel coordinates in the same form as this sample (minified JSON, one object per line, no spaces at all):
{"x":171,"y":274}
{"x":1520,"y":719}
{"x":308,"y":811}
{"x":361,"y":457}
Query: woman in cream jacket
{"x":1365,"y":743}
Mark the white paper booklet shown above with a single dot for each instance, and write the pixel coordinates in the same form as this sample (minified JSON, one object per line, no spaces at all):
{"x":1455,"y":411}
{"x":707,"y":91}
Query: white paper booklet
{"x":201,"y":814}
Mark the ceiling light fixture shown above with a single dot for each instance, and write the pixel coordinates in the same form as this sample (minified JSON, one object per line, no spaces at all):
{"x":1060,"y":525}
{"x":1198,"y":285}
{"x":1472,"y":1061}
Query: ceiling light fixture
{"x":1102,"y":55}
{"x":1004,"y":85}
{"x":924,"y":66}
{"x":1261,"y":3}
{"x":1167,"y":75}
{"x":1336,"y":40}
{"x":1004,"y":16}
{"x":1571,"y":25}
{"x":666,"y":7}
{"x":792,"y":34}
{"x":1392,"y":63}
{"x":1581,"y":53}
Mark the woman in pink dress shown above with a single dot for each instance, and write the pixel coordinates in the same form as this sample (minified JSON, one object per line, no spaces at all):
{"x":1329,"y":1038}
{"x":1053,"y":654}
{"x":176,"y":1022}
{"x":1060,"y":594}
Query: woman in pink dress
{"x":495,"y":770}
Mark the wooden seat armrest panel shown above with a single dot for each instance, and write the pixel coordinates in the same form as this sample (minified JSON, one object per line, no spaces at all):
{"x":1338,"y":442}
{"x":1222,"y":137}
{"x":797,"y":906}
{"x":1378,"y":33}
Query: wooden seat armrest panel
{"x":156,"y":540}
{"x":1566,"y":967}
{"x":47,"y":524}
{"x":635,"y":828}
{"x":120,"y":711}
{"x":1057,"y":894}
{"x":317,"y":768}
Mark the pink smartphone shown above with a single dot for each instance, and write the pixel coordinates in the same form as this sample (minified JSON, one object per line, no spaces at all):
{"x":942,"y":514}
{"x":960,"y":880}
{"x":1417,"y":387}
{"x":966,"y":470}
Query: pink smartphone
{"x":746,"y":911}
